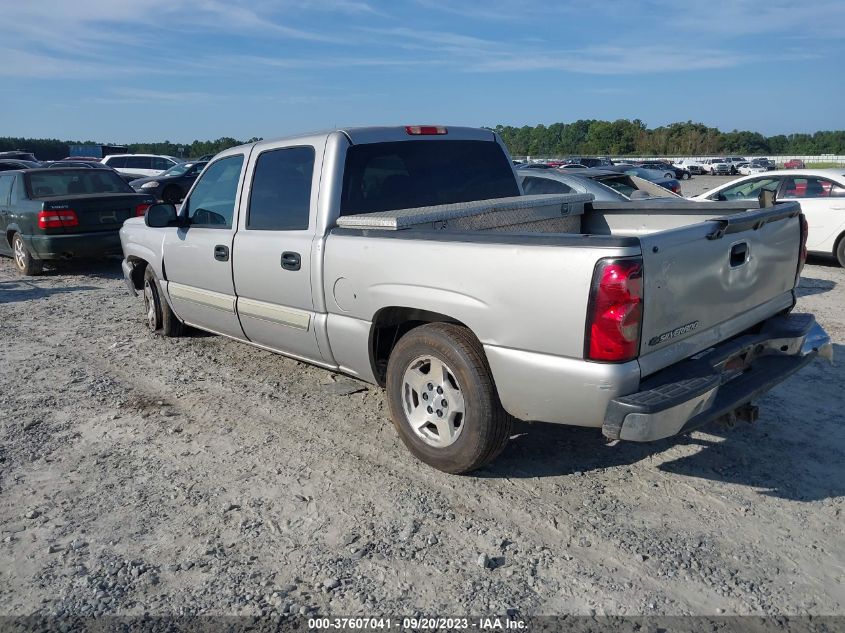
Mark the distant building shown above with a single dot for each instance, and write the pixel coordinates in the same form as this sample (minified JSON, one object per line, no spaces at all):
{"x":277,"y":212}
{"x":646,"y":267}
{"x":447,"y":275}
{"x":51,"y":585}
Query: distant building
{"x":96,"y":151}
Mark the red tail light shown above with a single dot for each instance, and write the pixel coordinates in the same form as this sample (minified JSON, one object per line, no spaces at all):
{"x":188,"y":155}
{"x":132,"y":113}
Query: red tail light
{"x":57,"y":218}
{"x":141,"y":209}
{"x":425,"y":130}
{"x":615,"y":311}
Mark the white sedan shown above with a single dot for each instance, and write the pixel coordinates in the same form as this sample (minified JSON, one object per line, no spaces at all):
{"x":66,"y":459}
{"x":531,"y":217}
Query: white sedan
{"x":821,"y":193}
{"x":751,"y":169}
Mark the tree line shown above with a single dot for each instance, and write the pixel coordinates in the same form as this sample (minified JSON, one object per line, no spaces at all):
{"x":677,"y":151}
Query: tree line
{"x":54,"y":149}
{"x":583,"y":137}
{"x":633,"y":138}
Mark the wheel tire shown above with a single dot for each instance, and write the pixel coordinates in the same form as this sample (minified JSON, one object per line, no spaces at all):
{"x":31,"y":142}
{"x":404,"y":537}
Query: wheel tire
{"x":686,"y":175}
{"x":458,"y":443}
{"x":24,"y":261}
{"x":840,"y":251}
{"x":172,"y":194}
{"x":668,"y":175}
{"x":160,"y":318}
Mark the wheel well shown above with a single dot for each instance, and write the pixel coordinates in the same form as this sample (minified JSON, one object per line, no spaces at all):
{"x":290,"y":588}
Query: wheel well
{"x":138,"y":268}
{"x":837,"y":243}
{"x":391,"y":324}
{"x":9,"y":234}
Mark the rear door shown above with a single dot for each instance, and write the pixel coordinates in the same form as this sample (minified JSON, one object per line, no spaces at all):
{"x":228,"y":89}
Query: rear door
{"x":197,"y":258}
{"x":703,"y":286}
{"x":823,"y":203}
{"x":273,"y":251}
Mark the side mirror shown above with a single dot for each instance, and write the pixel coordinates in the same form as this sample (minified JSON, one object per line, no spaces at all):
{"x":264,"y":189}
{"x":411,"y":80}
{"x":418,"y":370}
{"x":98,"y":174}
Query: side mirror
{"x":160,"y":216}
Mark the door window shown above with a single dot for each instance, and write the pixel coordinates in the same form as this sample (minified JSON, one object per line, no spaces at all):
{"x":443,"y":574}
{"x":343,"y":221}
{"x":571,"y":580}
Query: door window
{"x":532,"y":185}
{"x":810,"y":187}
{"x":747,"y":190}
{"x":162,"y":163}
{"x":212,"y":202}
{"x":5,"y":188}
{"x":281,"y":190}
{"x":116,"y":161}
{"x":138,"y":162}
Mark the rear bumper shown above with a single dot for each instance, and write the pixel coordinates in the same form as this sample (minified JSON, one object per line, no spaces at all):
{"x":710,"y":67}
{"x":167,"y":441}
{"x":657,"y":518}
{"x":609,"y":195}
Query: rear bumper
{"x":718,"y":383}
{"x":99,"y":244}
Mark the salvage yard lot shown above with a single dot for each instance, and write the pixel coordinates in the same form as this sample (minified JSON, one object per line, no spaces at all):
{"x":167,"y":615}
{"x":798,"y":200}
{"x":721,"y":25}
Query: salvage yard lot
{"x":202,"y":475}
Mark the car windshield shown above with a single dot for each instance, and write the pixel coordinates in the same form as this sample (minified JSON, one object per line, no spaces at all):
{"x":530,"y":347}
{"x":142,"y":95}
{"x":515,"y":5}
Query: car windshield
{"x":408,"y":174}
{"x":178,"y":170}
{"x":75,"y":182}
{"x":621,"y":184}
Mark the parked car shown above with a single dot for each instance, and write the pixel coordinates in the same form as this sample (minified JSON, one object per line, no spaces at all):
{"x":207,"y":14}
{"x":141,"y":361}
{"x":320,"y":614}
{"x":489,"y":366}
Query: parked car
{"x":172,"y":185}
{"x":794,"y":163}
{"x":693,"y":166}
{"x":656,"y":176}
{"x":717,"y":166}
{"x":734,"y":162}
{"x":87,"y":164}
{"x":388,"y":254}
{"x":764,"y":162}
{"x":16,"y":163}
{"x":604,"y":184}
{"x":752,"y":168}
{"x":18,"y":155}
{"x":48,"y":214}
{"x":142,"y":164}
{"x":669,"y":170}
{"x":821,"y":193}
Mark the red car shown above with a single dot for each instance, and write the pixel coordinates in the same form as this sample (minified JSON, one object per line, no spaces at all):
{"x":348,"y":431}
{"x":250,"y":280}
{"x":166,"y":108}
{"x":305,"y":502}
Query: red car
{"x":795,"y":163}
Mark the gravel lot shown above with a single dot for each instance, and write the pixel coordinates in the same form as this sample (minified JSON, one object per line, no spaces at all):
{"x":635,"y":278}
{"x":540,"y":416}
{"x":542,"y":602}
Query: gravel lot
{"x":699,"y":184}
{"x":141,"y":474}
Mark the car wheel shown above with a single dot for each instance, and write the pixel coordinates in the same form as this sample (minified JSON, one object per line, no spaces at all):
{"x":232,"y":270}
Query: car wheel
{"x":443,"y":401}
{"x":668,"y":175}
{"x":24,"y":260}
{"x":686,"y":175}
{"x":172,"y":194}
{"x":840,"y":251}
{"x":160,"y":318}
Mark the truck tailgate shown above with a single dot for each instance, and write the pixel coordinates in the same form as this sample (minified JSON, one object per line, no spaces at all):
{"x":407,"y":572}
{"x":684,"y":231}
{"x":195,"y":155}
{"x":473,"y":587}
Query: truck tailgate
{"x":709,"y":281}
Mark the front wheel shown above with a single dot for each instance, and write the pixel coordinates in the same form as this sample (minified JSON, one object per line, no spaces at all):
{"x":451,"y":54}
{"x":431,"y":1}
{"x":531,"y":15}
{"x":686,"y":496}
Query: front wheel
{"x":443,"y":401}
{"x":160,"y":318}
{"x":24,"y":260}
{"x":840,"y":251}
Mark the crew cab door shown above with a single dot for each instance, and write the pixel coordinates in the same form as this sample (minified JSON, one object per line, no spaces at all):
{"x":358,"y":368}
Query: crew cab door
{"x":273,"y":247}
{"x":198,"y":257}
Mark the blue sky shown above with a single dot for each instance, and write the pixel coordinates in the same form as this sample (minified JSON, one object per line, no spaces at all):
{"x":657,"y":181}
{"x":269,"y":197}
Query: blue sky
{"x":135,"y":70}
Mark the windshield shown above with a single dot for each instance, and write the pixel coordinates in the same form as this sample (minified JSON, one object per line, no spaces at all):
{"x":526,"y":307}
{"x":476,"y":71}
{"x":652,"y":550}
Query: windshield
{"x":621,"y":184}
{"x":409,"y":174}
{"x":63,"y":183}
{"x":178,"y":170}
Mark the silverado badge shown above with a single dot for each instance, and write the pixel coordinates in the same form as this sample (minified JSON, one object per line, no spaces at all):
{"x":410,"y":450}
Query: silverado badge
{"x":678,"y":331}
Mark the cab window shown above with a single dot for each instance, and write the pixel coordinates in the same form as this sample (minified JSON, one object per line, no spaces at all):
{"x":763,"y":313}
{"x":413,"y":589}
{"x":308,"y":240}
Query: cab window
{"x":532,"y":185}
{"x":280,"y":199}
{"x":212,"y":201}
{"x":809,"y":187}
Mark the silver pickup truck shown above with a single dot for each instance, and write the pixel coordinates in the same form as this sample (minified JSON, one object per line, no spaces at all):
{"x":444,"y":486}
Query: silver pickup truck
{"x":410,"y":258}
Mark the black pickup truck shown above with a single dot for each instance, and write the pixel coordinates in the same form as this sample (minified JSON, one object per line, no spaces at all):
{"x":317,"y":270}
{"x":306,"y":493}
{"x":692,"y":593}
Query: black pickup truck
{"x":48,"y":214}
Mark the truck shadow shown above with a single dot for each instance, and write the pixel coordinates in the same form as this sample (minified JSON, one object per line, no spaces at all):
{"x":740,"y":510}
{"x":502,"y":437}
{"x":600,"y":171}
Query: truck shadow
{"x":795,"y":451}
{"x":812,"y":286}
{"x":23,"y":290}
{"x":102,"y":268}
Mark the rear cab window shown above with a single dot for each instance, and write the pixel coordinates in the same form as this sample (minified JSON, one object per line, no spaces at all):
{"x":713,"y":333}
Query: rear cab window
{"x":409,"y":174}
{"x":71,"y":183}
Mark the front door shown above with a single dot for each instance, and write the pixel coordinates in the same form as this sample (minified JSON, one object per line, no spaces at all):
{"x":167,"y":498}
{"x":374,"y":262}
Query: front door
{"x":272,"y":264}
{"x":823,"y":204}
{"x":198,"y":258}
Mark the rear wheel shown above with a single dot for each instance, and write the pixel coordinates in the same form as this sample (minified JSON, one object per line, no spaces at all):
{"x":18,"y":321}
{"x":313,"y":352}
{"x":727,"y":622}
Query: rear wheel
{"x":24,"y":260}
{"x":443,"y":401}
{"x":160,"y":318}
{"x":172,"y":194}
{"x":840,"y":251}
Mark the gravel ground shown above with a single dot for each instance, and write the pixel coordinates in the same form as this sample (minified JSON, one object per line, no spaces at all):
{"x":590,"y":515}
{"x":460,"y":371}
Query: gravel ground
{"x":200,"y":475}
{"x":699,"y":184}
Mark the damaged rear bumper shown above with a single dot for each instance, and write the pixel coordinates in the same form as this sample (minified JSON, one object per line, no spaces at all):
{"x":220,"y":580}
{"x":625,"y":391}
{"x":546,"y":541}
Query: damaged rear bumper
{"x":718,"y":383}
